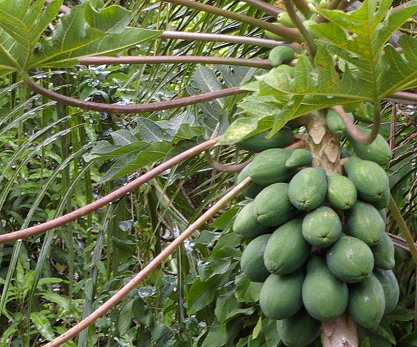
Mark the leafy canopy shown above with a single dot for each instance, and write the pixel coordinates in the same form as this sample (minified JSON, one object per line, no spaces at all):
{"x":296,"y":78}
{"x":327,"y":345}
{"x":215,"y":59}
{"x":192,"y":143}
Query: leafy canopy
{"x":354,"y":63}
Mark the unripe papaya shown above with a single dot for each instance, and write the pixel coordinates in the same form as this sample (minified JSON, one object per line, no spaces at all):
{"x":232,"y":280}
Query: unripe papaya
{"x":299,"y":157}
{"x":253,"y":189}
{"x":246,"y":225}
{"x":286,"y":250}
{"x":335,"y":123}
{"x":322,"y":227}
{"x":350,"y":260}
{"x":280,"y":296}
{"x":272,"y":36}
{"x":272,"y":205}
{"x":299,"y":330}
{"x":365,"y":222}
{"x":370,"y":179}
{"x":252,"y":260}
{"x":262,"y":141}
{"x":324,"y":296}
{"x":384,"y":253}
{"x":269,"y":167}
{"x":281,"y":54}
{"x":390,"y":286}
{"x":308,"y":188}
{"x":367,"y":302}
{"x":341,"y":192}
{"x":284,"y":19}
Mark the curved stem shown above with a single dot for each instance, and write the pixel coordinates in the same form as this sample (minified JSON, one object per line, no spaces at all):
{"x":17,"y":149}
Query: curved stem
{"x":300,"y":26}
{"x":303,"y":7}
{"x":260,"y":63}
{"x":289,"y":33}
{"x":132,"y":284}
{"x":179,"y":35}
{"x":270,"y":9}
{"x":230,"y":168}
{"x":156,"y":106}
{"x":117,"y":194}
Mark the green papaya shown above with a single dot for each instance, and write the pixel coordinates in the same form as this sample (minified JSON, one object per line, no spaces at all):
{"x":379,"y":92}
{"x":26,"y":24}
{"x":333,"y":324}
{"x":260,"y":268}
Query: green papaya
{"x":284,"y":19}
{"x":322,"y":227}
{"x":367,"y":302}
{"x":269,"y":167}
{"x":286,"y":250}
{"x":281,"y":54}
{"x":262,"y":141}
{"x":378,"y":151}
{"x":299,"y":157}
{"x":253,"y":189}
{"x":308,"y":188}
{"x":280,"y":296}
{"x":365,"y":113}
{"x":341,"y":192}
{"x":365,"y":222}
{"x":272,"y":36}
{"x":246,"y":225}
{"x":384,"y":201}
{"x":390,"y":286}
{"x":370,"y":179}
{"x":272,"y":205}
{"x":324,"y":296}
{"x":252,"y":260}
{"x":384,"y":253}
{"x":335,"y":123}
{"x":350,"y":260}
{"x":299,"y":330}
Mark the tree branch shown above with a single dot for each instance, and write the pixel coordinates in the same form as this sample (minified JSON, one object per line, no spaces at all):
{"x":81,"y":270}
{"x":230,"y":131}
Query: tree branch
{"x":115,"y":195}
{"x":270,"y":9}
{"x":230,"y":168}
{"x":132,"y":284}
{"x":137,"y":108}
{"x":303,"y":7}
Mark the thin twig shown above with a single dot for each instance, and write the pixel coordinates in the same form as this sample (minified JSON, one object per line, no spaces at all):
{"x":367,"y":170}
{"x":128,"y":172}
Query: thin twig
{"x":230,"y":168}
{"x":260,"y":63}
{"x":270,"y":9}
{"x":137,"y":108}
{"x":133,"y":283}
{"x":404,"y":98}
{"x":115,"y":195}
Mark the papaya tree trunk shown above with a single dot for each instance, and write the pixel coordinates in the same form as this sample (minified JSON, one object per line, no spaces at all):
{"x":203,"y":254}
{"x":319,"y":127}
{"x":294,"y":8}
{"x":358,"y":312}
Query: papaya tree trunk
{"x":339,"y":332}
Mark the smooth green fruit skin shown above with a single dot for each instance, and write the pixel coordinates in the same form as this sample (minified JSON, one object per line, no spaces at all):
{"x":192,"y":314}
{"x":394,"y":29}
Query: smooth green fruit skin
{"x":384,"y":201}
{"x":246,"y":225}
{"x":390,"y":286}
{"x":252,"y":260}
{"x":253,"y":189}
{"x":281,"y":54}
{"x":299,"y":157}
{"x":324,"y":296}
{"x":322,"y":227}
{"x":272,"y":36}
{"x":286,"y":250}
{"x":261,"y":142}
{"x":366,"y":223}
{"x":284,"y":19}
{"x":370,"y":179}
{"x":308,"y":188}
{"x":341,"y":192}
{"x":335,"y":123}
{"x":299,"y":330}
{"x":268,"y":167}
{"x":350,"y":260}
{"x":365,"y":113}
{"x":367,"y":302}
{"x":272,"y":205}
{"x":378,"y":151}
{"x":280,"y":296}
{"x":384,"y":253}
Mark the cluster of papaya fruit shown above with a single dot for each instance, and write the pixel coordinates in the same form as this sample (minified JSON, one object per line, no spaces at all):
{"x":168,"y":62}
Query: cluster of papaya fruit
{"x":317,"y":239}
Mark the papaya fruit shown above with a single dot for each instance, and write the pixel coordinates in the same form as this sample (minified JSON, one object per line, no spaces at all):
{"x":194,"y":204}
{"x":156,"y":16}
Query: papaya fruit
{"x":370,"y":179}
{"x":281,"y":54}
{"x":324,"y":296}
{"x":341,"y":192}
{"x":384,"y":253}
{"x":366,"y":223}
{"x":246,"y":225}
{"x":252,"y":260}
{"x":335,"y":123}
{"x":299,"y":157}
{"x":350,"y":260}
{"x":384,"y":201}
{"x":367,"y":302}
{"x":268,"y":167}
{"x":272,"y":205}
{"x":262,"y":141}
{"x":284,"y":19}
{"x":321,"y":227}
{"x":286,"y":250}
{"x":390,"y":286}
{"x":272,"y":36}
{"x":280,"y":296}
{"x":365,"y":113}
{"x":253,"y":189}
{"x":308,"y":188}
{"x":299,"y":330}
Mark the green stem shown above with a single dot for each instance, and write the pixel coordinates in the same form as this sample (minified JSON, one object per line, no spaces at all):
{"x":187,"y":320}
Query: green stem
{"x":396,"y":215}
{"x":303,"y":7}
